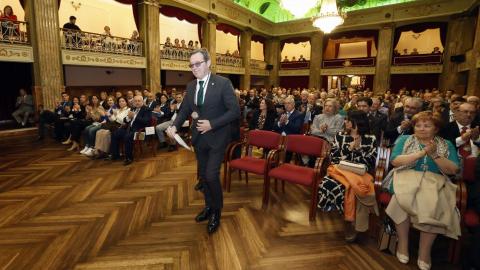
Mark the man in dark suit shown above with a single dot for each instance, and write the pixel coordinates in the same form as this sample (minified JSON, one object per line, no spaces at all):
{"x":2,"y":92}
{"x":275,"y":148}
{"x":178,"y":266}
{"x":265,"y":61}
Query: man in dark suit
{"x":211,"y":102}
{"x":150,"y":101}
{"x":289,"y":123}
{"x":400,"y":122}
{"x":137,"y":119}
{"x":464,"y":131}
{"x":377,"y":120}
{"x":49,"y":117}
{"x":310,"y":109}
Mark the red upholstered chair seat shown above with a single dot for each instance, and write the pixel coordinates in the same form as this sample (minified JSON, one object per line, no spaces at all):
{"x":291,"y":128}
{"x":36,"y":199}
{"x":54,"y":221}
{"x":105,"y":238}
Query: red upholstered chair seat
{"x":384,"y":198}
{"x":471,"y":218}
{"x":250,"y":164}
{"x":293,"y":173}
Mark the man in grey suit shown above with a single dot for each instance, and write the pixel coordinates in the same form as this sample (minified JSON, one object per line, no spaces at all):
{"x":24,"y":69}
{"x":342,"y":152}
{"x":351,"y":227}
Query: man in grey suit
{"x":211,"y":102}
{"x":24,"y":108}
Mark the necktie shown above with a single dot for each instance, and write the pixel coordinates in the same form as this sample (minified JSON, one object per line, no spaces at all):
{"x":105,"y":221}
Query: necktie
{"x":465,"y":150}
{"x":200,"y":94}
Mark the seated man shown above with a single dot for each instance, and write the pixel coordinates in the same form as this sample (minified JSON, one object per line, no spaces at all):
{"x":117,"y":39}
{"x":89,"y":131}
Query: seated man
{"x":24,"y":108}
{"x":289,"y":123}
{"x":49,"y":117}
{"x":136,"y":120}
{"x":161,"y":128}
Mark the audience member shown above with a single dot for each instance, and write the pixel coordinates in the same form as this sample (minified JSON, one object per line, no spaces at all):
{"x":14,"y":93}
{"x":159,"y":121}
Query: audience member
{"x":400,"y":123}
{"x":264,"y":117}
{"x":49,"y":117}
{"x":23,"y":108}
{"x":169,"y":113}
{"x":329,"y":123}
{"x":71,"y":24}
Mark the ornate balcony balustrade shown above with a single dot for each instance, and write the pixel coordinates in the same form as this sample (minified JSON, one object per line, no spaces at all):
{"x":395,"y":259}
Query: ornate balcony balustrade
{"x":295,"y":65}
{"x":419,"y":59}
{"x":257,"y":64}
{"x":174,"y":53}
{"x":13,"y":32}
{"x":93,"y":42}
{"x":228,"y":60}
{"x":351,"y":62}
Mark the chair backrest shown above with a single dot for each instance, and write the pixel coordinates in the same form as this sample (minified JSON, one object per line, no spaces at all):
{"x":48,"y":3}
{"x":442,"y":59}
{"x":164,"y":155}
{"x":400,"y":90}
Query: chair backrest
{"x":307,"y":145}
{"x":469,"y":169}
{"x":264,"y":139}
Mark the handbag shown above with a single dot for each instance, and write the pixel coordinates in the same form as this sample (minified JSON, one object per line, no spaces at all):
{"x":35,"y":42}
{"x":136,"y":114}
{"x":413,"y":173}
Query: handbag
{"x":387,"y":240}
{"x":356,"y":168}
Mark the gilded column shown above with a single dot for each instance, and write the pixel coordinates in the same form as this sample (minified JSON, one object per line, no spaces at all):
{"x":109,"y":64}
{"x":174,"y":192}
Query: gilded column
{"x":272,"y":57}
{"x":210,"y":39}
{"x":473,"y":87}
{"x":149,"y":15}
{"x":44,"y":31}
{"x":245,"y":52}
{"x":381,"y":81}
{"x":316,"y":57}
{"x":460,"y":35}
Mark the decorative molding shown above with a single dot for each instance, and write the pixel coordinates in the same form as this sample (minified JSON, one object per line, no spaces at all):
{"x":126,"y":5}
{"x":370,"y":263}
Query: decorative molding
{"x":417,"y":69}
{"x":230,"y":70}
{"x":259,"y":72}
{"x":154,"y":3}
{"x":348,"y":71}
{"x":168,"y":64}
{"x":16,"y":53}
{"x":294,"y":72}
{"x":79,"y":58}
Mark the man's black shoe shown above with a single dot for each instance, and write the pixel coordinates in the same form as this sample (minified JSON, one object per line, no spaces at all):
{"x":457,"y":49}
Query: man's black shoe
{"x":127,"y":162}
{"x":172,"y":148}
{"x":204,"y":215}
{"x":111,"y":158}
{"x":199,"y":186}
{"x":214,"y":221}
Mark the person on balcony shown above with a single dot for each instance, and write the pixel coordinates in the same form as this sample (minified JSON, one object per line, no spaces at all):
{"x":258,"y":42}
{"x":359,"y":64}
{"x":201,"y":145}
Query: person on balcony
{"x":414,"y":52}
{"x":294,"y":59}
{"x":108,"y":38}
{"x":405,"y":52}
{"x":436,"y":50}
{"x":285,"y":59}
{"x":71,"y":24}
{"x":190,"y":45}
{"x":6,"y":18}
{"x":301,"y":58}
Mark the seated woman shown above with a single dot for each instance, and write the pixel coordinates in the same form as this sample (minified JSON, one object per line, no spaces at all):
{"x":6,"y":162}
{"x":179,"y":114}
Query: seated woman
{"x":421,"y":160}
{"x":351,"y":194}
{"x":264,"y":117}
{"x":329,"y":123}
{"x":78,"y":125}
{"x":6,"y":19}
{"x":115,"y":121}
{"x":90,"y":132}
{"x":77,"y":112}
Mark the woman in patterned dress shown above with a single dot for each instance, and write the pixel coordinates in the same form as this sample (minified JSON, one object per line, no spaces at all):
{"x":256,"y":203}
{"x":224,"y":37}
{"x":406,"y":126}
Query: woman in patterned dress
{"x":356,"y":145}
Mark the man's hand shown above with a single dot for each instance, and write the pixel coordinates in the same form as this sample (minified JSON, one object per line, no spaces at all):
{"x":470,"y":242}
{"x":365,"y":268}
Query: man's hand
{"x":203,"y":126}
{"x":474,"y":133}
{"x":405,"y":124}
{"x":467,"y":135}
{"x":283,"y":119}
{"x":171,"y":131}
{"x":131,"y":114}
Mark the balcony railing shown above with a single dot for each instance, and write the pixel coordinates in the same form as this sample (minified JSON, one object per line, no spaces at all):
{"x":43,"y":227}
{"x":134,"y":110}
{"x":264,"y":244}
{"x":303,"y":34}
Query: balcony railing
{"x":257,"y":64}
{"x":295,"y":65}
{"x":174,"y":53}
{"x":228,"y":60}
{"x":419,"y":59}
{"x":351,"y":62}
{"x":14,"y":32}
{"x":93,"y":42}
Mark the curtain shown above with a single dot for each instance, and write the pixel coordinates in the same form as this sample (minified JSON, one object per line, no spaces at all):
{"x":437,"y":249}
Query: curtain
{"x":420,"y":27}
{"x":369,"y":48}
{"x":294,"y":40}
{"x":229,"y":29}
{"x":260,"y":39}
{"x":352,"y":34}
{"x":182,"y":14}
{"x":134,"y":4}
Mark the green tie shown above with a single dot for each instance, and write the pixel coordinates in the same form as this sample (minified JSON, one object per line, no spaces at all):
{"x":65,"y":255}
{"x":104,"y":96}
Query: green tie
{"x":200,"y":93}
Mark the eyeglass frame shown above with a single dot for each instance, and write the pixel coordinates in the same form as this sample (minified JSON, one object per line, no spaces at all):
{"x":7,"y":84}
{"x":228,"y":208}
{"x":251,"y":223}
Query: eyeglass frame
{"x":197,"y":65}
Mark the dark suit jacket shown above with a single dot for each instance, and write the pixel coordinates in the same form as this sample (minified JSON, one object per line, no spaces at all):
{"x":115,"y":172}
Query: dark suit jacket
{"x":451,"y":132}
{"x":378,"y":123}
{"x":220,"y":107}
{"x":252,"y":103}
{"x":141,"y":121}
{"x":294,"y":126}
{"x":391,"y":132}
{"x":151,"y":105}
{"x":269,"y":120}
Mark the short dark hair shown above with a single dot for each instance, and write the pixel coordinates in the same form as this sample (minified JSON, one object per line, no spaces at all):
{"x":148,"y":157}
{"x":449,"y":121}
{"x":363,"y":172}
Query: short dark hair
{"x":366,"y":100}
{"x":72,"y":18}
{"x":203,"y":51}
{"x":460,"y":99}
{"x":359,"y":120}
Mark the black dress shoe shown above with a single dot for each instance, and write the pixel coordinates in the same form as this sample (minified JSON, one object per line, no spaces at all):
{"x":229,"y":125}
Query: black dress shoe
{"x":172,"y":148}
{"x":214,"y":221}
{"x":199,"y":186}
{"x":111,"y":158}
{"x":204,"y":215}
{"x":127,"y":162}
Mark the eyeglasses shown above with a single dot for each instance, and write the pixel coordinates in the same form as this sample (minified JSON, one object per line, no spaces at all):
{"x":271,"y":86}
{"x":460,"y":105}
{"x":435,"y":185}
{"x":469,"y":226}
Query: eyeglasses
{"x":198,"y":64}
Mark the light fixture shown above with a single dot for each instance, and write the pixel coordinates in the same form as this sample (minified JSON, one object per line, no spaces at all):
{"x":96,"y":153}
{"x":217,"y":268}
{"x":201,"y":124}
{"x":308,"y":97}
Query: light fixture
{"x":76,"y":6}
{"x":329,"y":17}
{"x":298,"y":9}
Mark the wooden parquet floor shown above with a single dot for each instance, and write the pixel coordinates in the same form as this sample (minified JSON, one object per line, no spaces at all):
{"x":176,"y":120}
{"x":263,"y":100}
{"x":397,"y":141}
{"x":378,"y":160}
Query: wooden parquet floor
{"x":60,"y":210}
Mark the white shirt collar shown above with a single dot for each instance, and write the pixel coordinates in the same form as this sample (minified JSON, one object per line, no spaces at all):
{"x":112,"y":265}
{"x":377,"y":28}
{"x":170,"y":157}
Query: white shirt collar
{"x":204,"y":78}
{"x":460,"y":126}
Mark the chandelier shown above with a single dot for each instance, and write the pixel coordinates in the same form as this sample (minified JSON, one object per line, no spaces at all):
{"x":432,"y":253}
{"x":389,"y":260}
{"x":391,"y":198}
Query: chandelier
{"x":298,"y":8}
{"x":329,"y":17}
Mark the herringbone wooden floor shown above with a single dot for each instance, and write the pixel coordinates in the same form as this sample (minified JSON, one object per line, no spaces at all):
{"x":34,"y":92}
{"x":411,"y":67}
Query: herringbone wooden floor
{"x":60,"y":210}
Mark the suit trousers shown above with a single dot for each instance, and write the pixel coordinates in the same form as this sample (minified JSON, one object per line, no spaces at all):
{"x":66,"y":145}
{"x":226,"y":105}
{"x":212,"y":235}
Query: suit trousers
{"x":22,"y":113}
{"x":125,"y":136}
{"x":46,"y":117}
{"x":209,"y":161}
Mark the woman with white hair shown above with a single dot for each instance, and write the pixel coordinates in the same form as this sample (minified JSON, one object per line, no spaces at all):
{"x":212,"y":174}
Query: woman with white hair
{"x":329,"y":123}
